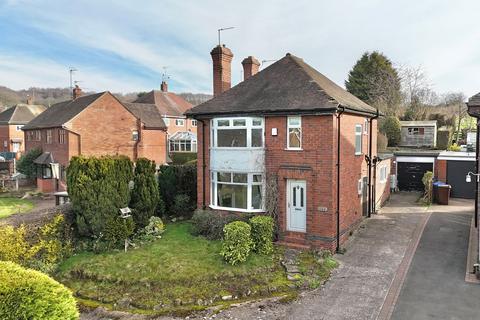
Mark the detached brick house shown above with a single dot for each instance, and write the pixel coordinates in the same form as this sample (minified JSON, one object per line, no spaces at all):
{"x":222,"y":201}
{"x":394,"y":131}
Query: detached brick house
{"x":291,"y":124}
{"x":182,"y":132}
{"x":11,"y":122}
{"x":93,"y":125}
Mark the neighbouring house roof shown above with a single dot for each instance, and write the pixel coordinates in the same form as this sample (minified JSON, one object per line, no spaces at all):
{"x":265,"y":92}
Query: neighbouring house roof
{"x":60,"y":113}
{"x":147,"y":113}
{"x":474,"y":101}
{"x":168,"y":103}
{"x":21,"y":113}
{"x":44,"y":158}
{"x":183,"y":135}
{"x":287,"y":86}
{"x":431,"y":123}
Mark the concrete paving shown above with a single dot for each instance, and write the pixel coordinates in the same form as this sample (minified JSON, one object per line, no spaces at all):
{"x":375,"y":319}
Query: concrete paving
{"x":435,"y":286}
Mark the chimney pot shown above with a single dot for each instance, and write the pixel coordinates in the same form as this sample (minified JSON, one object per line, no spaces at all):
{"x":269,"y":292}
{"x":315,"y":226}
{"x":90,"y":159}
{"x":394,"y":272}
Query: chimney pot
{"x":29,"y":100}
{"x":164,"y":86}
{"x":250,"y":67}
{"x":77,"y":92}
{"x":222,"y":69}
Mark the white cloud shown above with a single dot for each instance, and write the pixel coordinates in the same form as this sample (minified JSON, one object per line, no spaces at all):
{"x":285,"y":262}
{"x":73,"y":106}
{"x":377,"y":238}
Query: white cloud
{"x":330,"y":35}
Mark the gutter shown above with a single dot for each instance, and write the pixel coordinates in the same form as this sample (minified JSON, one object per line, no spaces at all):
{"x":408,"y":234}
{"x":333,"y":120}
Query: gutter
{"x":337,"y":249}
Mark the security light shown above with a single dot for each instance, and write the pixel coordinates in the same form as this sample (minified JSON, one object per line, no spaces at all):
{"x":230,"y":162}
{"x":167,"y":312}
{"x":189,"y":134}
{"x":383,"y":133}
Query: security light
{"x":468,"y":178}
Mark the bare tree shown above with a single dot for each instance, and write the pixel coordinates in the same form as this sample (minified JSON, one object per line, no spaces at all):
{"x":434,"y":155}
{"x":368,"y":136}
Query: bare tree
{"x":457,"y":100}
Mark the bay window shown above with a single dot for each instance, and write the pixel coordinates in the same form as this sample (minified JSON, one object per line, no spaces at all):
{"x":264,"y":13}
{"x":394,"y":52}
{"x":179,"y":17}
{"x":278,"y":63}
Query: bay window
{"x":237,"y":133}
{"x":239,"y":191}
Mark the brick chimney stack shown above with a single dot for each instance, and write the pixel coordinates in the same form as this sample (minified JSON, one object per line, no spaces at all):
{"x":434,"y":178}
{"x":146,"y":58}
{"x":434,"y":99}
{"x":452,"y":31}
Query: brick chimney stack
{"x":250,"y":67}
{"x":222,"y":69}
{"x":77,"y":92}
{"x":29,"y":100}
{"x":164,"y":86}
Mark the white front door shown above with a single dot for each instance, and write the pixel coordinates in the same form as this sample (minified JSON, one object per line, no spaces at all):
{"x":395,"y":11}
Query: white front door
{"x":297,"y":205}
{"x":15,"y":146}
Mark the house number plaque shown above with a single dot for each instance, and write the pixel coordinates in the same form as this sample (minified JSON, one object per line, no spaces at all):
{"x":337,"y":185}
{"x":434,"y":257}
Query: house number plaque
{"x":322,"y":209}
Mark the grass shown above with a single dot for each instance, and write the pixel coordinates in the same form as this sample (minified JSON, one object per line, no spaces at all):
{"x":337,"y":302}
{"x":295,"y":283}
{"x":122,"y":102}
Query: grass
{"x":178,"y":269}
{"x":9,"y":206}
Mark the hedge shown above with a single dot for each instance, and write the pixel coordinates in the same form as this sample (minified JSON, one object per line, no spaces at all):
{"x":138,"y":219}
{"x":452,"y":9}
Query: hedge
{"x":29,"y":294}
{"x":179,"y":158}
{"x":145,"y":194}
{"x":177,"y":179}
{"x":237,"y":242}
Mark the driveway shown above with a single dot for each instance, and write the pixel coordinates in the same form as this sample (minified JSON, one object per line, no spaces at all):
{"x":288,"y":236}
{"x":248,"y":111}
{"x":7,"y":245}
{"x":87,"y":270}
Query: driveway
{"x":435,"y":286}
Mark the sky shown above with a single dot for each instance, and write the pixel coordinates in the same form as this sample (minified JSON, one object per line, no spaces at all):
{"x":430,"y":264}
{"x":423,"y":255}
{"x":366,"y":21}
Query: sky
{"x":126,"y":45}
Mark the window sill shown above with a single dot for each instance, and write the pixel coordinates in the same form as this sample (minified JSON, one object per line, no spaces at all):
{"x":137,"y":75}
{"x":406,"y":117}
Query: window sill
{"x":236,"y":209}
{"x":237,"y":148}
{"x":293,"y":149}
{"x":358,"y":154}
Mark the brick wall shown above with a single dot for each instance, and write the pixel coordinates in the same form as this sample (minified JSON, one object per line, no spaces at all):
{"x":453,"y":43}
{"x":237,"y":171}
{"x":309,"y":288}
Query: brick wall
{"x":59,"y":151}
{"x":201,"y":163}
{"x":4,"y":138}
{"x":316,"y":164}
{"x":153,"y":145}
{"x":173,"y":128}
{"x":441,"y":170}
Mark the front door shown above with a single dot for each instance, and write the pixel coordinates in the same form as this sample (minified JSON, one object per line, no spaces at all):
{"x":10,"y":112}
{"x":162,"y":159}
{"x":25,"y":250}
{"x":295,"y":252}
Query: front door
{"x":297,"y":205}
{"x":365,"y":196}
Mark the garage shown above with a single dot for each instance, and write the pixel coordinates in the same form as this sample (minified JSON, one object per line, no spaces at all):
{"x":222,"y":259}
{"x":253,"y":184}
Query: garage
{"x":410,"y":171}
{"x":458,"y":165}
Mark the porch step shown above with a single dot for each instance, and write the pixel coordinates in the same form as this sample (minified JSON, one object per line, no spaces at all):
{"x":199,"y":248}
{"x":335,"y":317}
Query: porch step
{"x":299,"y":246}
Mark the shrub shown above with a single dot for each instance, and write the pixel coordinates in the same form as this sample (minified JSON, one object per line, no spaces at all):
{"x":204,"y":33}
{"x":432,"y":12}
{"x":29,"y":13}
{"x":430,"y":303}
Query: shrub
{"x":427,"y":181}
{"x":152,"y":231}
{"x":26,"y":166}
{"x":29,"y":294}
{"x":382,"y":142}
{"x":41,"y":250}
{"x":210,"y":224}
{"x":454,"y":147}
{"x":237,"y":242}
{"x":392,"y":129}
{"x":262,"y":234}
{"x":181,"y":206}
{"x":145,"y":193}
{"x":98,"y":188}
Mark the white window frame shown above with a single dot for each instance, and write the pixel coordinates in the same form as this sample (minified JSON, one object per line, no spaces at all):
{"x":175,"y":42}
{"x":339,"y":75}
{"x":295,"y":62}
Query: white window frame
{"x":62,"y":133}
{"x":358,"y":132}
{"x":194,"y":123}
{"x":135,"y":135}
{"x":360,"y":186}
{"x":249,"y":125}
{"x":49,"y":136}
{"x":366,"y":126}
{"x":177,"y":145}
{"x":180,"y":122}
{"x":19,"y":127}
{"x":383,"y":174}
{"x":289,"y":126}
{"x":214,"y":188}
{"x":166,"y":120}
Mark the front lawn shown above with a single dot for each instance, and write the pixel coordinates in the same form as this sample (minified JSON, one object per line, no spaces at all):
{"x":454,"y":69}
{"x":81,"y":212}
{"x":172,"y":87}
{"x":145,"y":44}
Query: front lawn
{"x":9,"y":206}
{"x":177,"y":270}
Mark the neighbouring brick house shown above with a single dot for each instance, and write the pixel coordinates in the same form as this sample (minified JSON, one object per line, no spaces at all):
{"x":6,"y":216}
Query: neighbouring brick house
{"x":290,"y":127}
{"x":11,"y":122}
{"x":182,"y":132}
{"x":93,"y":125}
{"x":418,"y":134}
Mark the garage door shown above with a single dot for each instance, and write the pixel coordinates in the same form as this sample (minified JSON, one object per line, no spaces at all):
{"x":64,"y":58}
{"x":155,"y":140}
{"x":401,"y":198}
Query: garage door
{"x":410,"y":175}
{"x":456,"y":172}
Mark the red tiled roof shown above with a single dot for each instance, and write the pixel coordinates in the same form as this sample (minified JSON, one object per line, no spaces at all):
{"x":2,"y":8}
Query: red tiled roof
{"x":168,"y":103}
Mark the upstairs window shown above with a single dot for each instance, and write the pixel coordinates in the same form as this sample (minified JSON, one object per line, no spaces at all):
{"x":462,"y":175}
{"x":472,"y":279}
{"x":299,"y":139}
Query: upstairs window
{"x":179,"y":122}
{"x":61,"y":136}
{"x":237,"y":133}
{"x":37,"y":134}
{"x":194,"y":123}
{"x":358,"y":139}
{"x":49,"y":136}
{"x":294,"y":133}
{"x":19,"y":127}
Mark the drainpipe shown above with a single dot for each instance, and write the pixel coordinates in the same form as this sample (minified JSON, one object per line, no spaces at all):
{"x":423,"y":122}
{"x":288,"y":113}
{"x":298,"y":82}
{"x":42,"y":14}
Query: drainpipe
{"x":371,"y":203}
{"x":477,"y":170}
{"x":338,"y":178}
{"x":204,"y":166}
